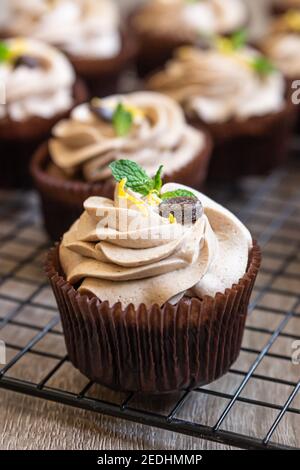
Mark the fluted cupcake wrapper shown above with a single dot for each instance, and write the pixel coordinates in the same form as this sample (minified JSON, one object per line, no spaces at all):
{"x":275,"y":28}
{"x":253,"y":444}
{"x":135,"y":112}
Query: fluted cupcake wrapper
{"x":254,"y":146}
{"x":102,"y":75}
{"x":19,"y":140}
{"x":155,"y":349}
{"x":62,"y":200}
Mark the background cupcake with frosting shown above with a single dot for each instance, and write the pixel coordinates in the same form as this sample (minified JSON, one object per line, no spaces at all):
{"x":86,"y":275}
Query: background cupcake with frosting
{"x":39,"y":88}
{"x":163,"y":25}
{"x":90,"y":32}
{"x":146,"y":127}
{"x":282,"y":45}
{"x":153,"y":292}
{"x":239,"y":95}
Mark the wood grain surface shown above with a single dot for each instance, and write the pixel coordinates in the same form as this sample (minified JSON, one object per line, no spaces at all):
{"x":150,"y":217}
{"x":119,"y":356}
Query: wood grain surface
{"x":28,"y":423}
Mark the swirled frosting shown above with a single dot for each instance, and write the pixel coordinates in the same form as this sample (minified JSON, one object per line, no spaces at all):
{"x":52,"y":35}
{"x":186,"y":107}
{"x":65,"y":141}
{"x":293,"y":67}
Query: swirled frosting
{"x":86,"y":143}
{"x":218,"y":86}
{"x":119,"y":252}
{"x":43,"y":90}
{"x":187,"y":19}
{"x":284,"y":49}
{"x":282,"y":45}
{"x":87,"y":28}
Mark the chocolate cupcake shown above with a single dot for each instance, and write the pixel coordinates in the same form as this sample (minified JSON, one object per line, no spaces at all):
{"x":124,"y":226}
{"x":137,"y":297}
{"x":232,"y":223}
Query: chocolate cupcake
{"x":151,"y":301}
{"x":145,"y":126}
{"x":90,"y":32}
{"x":241,"y":99}
{"x":161,"y":26}
{"x":282,"y":45}
{"x":38,"y":88}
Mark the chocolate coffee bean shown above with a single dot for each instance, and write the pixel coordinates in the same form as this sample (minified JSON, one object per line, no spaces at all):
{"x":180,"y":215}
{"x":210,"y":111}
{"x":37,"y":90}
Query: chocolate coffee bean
{"x":186,"y":210}
{"x":28,"y":61}
{"x":100,"y":111}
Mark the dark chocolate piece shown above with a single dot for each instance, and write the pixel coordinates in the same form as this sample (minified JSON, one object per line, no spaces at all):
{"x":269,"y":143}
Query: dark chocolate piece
{"x":186,"y":210}
{"x":28,"y":61}
{"x":101,"y":111}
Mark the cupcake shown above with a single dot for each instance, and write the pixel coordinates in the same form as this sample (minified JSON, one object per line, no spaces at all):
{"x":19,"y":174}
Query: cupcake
{"x":88,"y":31}
{"x":163,"y":25}
{"x":237,"y":94}
{"x":39,"y":88}
{"x":282,"y":45}
{"x":145,"y":126}
{"x":153,"y":285}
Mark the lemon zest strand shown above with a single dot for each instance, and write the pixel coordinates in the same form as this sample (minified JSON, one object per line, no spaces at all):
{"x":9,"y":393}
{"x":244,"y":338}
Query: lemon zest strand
{"x":122,"y":193}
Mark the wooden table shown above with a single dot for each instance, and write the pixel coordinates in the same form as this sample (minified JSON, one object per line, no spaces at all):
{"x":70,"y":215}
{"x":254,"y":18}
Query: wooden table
{"x":30,"y":423}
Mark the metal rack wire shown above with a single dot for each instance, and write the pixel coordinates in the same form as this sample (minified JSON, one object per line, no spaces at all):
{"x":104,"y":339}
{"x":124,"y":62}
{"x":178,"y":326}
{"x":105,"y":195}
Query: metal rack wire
{"x":247,"y":407}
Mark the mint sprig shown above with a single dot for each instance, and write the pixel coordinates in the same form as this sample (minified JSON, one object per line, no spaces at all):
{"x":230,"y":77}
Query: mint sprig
{"x":239,"y":39}
{"x":262,"y":66}
{"x":158,"y":179}
{"x":137,"y":178}
{"x":122,"y":120}
{"x":138,"y":181}
{"x":177,"y":193}
{"x":4,"y":52}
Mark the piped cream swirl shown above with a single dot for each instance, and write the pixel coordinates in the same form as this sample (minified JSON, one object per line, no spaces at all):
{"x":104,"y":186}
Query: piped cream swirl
{"x":282,"y":45}
{"x":284,"y":49}
{"x":87,"y":28}
{"x":150,"y":260}
{"x":187,"y":19}
{"x":85,"y":144}
{"x":218,"y":86}
{"x":43,"y":91}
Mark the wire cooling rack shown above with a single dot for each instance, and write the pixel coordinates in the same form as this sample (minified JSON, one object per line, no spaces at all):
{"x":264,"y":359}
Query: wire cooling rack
{"x":255,"y":406}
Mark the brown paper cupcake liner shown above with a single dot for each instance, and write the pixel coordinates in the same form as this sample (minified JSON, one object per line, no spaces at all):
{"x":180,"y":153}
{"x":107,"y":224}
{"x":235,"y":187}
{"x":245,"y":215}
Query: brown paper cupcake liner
{"x":255,"y":146}
{"x":102,"y":75}
{"x":62,"y":200}
{"x":156,"y":349}
{"x":19,"y":140}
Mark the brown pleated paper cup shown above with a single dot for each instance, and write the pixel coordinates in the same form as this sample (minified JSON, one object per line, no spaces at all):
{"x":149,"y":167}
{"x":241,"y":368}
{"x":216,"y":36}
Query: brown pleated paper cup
{"x":157,"y":349}
{"x":255,"y":146}
{"x":19,"y":140}
{"x":102,"y":76}
{"x":62,"y":200}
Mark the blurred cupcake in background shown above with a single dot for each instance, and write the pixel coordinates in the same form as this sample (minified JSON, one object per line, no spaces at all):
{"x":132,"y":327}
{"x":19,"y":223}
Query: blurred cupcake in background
{"x":89,"y":31}
{"x":282,"y":45}
{"x":39,"y":88}
{"x":239,"y":96}
{"x":163,"y":25}
{"x":149,"y":128}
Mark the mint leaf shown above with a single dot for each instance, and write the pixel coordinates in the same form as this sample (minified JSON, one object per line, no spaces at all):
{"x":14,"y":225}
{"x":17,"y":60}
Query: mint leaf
{"x":262,"y":66}
{"x":177,"y":193}
{"x":157,"y":179}
{"x":137,"y":178}
{"x":122,"y":120}
{"x":239,"y":39}
{"x":4,"y":52}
